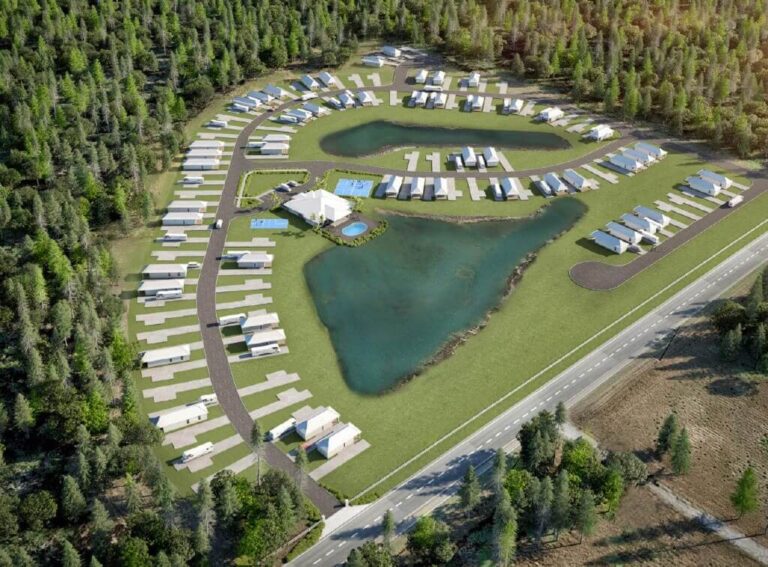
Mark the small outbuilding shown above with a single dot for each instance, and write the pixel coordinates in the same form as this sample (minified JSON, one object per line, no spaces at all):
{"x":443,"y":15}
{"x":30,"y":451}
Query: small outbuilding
{"x":347,"y":99}
{"x":164,"y":271}
{"x":551,"y":114}
{"x":393,"y":185}
{"x":555,"y":183}
{"x":417,"y":187}
{"x":255,"y":260}
{"x":365,"y":98}
{"x":342,"y":435}
{"x":577,"y":180}
{"x":421,"y":77}
{"x":474,"y":79}
{"x":438,"y":78}
{"x":180,"y":417}
{"x":468,"y":156}
{"x":327,"y":79}
{"x":600,"y":132}
{"x":316,"y":422}
{"x":441,"y":188}
{"x":609,"y":242}
{"x":510,"y":188}
{"x":490,"y":156}
{"x":182,"y":219}
{"x":165,"y":356}
{"x":309,"y":82}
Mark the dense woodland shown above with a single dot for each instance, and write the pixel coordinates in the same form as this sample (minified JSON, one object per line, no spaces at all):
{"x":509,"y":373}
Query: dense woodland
{"x":93,"y":99}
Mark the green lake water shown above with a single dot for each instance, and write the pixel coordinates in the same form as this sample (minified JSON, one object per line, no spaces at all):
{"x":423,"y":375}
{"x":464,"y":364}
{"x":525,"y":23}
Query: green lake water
{"x":377,"y":136}
{"x":391,"y":304}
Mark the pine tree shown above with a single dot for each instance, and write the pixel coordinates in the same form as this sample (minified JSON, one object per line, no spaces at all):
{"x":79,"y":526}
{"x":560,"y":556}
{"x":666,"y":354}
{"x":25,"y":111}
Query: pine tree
{"x":667,"y":434}
{"x":746,"y":496}
{"x":681,"y":453}
{"x":504,"y":531}
{"x":561,"y":503}
{"x":257,"y":443}
{"x":561,"y":414}
{"x":69,"y":555}
{"x":729,"y":345}
{"x":584,"y":514}
{"x":72,"y":499}
{"x":470,"y":490}
{"x":23,"y":418}
{"x":388,"y":528}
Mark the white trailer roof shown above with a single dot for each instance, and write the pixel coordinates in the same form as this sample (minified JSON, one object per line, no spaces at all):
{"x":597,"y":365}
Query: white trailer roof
{"x":652,"y":214}
{"x":259,"y":320}
{"x":264,"y":337}
{"x":160,"y":285}
{"x":164,"y":269}
{"x":160,"y":354}
{"x":253,"y":257}
{"x":187,"y":204}
{"x":181,"y":415}
{"x":610,"y":242}
{"x":202,"y":144}
{"x":315,"y":421}
{"x":715,"y":178}
{"x":182,"y":216}
{"x":341,"y":434}
{"x":276,"y":138}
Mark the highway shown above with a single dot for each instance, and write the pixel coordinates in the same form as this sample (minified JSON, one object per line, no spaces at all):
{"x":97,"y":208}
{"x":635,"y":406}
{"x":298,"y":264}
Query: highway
{"x":440,"y":479}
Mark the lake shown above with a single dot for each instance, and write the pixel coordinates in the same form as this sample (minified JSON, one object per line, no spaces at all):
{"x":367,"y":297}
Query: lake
{"x":380,"y":135}
{"x":391,"y":304}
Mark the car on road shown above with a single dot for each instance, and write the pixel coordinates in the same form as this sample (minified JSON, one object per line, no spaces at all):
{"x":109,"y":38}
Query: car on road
{"x":193,"y":265}
{"x":219,"y":223}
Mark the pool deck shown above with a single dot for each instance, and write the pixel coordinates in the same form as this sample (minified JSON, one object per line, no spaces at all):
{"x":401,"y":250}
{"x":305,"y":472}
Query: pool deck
{"x":352,"y":219}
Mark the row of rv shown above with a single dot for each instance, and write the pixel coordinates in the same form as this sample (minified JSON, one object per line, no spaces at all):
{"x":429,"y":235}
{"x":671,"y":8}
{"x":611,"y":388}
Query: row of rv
{"x":637,"y":158}
{"x":709,"y":183}
{"x":203,"y":155}
{"x":394,"y":185}
{"x":639,"y":226}
{"x":271,"y":144}
{"x":347,"y":99}
{"x":552,"y":184}
{"x":261,"y":332}
{"x":321,"y":428}
{"x":468,"y":158}
{"x":253,"y":101}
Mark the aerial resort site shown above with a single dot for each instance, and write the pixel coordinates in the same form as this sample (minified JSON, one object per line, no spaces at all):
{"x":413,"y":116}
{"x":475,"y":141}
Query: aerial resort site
{"x":283,"y":292}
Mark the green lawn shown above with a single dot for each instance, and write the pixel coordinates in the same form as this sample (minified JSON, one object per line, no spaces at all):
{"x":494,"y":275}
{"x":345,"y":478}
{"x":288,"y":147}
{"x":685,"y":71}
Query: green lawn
{"x":505,"y":354}
{"x":259,"y":182}
{"x":306,"y":142}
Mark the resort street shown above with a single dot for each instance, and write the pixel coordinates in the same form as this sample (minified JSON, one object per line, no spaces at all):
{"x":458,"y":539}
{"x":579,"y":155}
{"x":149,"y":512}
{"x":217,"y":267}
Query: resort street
{"x":441,"y":479}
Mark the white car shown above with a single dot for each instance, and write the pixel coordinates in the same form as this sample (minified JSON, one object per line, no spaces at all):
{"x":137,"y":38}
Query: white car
{"x":193,"y":265}
{"x":219,"y":223}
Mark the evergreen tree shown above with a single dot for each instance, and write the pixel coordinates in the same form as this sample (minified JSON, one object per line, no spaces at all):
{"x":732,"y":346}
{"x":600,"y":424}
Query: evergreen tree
{"x":72,"y":500}
{"x":561,"y":503}
{"x":746,"y":497}
{"x":257,"y":443}
{"x":469,"y":493}
{"x":584,"y":514}
{"x":561,"y":414}
{"x":667,"y":434}
{"x":69,"y":555}
{"x":388,"y":528}
{"x":681,"y":453}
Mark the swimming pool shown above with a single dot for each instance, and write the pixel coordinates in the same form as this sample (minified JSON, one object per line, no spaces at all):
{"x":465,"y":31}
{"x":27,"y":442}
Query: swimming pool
{"x":354,"y":229}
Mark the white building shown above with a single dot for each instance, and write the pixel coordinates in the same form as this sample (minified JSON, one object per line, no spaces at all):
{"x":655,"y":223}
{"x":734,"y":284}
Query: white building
{"x":392,"y":186}
{"x":187,"y":206}
{"x":543,"y":187}
{"x":417,"y":187}
{"x":639,"y":224}
{"x":247,"y":102}
{"x":265,"y":338}
{"x":257,"y":323}
{"x":276,"y":138}
{"x":421,"y":77}
{"x":498,"y":194}
{"x":263,"y":97}
{"x":720,"y":180}
{"x":551,"y":114}
{"x":300,"y":114}
{"x":164,"y":271}
{"x":468,"y":156}
{"x":440,"y":100}
{"x":255,"y":260}
{"x":600,"y":132}
{"x":204,"y":153}
{"x":441,"y":188}
{"x":327,"y":79}
{"x":309,"y":82}
{"x":151,"y":288}
{"x":703,"y":186}
{"x":218,"y":123}
{"x":287,"y":119}
{"x":182,"y":219}
{"x":577,"y":180}
{"x":419,"y":98}
{"x":365,"y":98}
{"x":391,"y":51}
{"x":474,"y":79}
{"x":315,"y":422}
{"x":475,"y":102}
{"x":316,"y":109}
{"x":659,"y":218}
{"x":199,"y":164}
{"x":626,"y":163}
{"x":642,"y":157}
{"x":343,"y":435}
{"x":165,"y":356}
{"x":274,"y":92}
{"x":609,"y":242}
{"x":282,"y":429}
{"x":655,"y":151}
{"x":274,"y":148}
{"x":335,"y":103}
{"x":180,"y":417}
{"x":373,"y":61}
{"x":555,"y":183}
{"x":347,"y":99}
{"x":438,"y":78}
{"x":490,"y":156}
{"x":624,"y":233}
{"x":317,"y":207}
{"x":206,"y":144}
{"x":517,"y":105}
{"x":510,"y":188}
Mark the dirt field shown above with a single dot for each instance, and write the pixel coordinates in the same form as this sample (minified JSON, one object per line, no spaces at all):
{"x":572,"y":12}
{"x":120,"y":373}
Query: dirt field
{"x":723,"y":406}
{"x":645,"y":532}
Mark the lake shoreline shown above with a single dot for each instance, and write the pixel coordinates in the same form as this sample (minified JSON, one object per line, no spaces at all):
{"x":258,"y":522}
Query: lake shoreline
{"x":458,"y":219}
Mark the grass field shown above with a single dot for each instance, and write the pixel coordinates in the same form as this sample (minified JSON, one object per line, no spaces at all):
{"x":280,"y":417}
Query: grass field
{"x":259,"y":182}
{"x":306,"y":142}
{"x":400,"y":424}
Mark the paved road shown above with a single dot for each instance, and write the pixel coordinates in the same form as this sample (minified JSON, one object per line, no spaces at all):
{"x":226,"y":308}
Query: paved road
{"x":440,"y":479}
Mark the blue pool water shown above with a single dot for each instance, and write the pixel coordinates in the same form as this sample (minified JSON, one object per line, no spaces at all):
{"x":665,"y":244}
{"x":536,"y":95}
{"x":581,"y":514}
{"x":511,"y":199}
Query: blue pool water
{"x":353,"y":188}
{"x":269,"y":224}
{"x":354,"y":229}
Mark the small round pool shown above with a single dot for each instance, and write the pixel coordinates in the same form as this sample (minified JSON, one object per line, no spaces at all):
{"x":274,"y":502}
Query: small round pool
{"x":354,"y":229}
